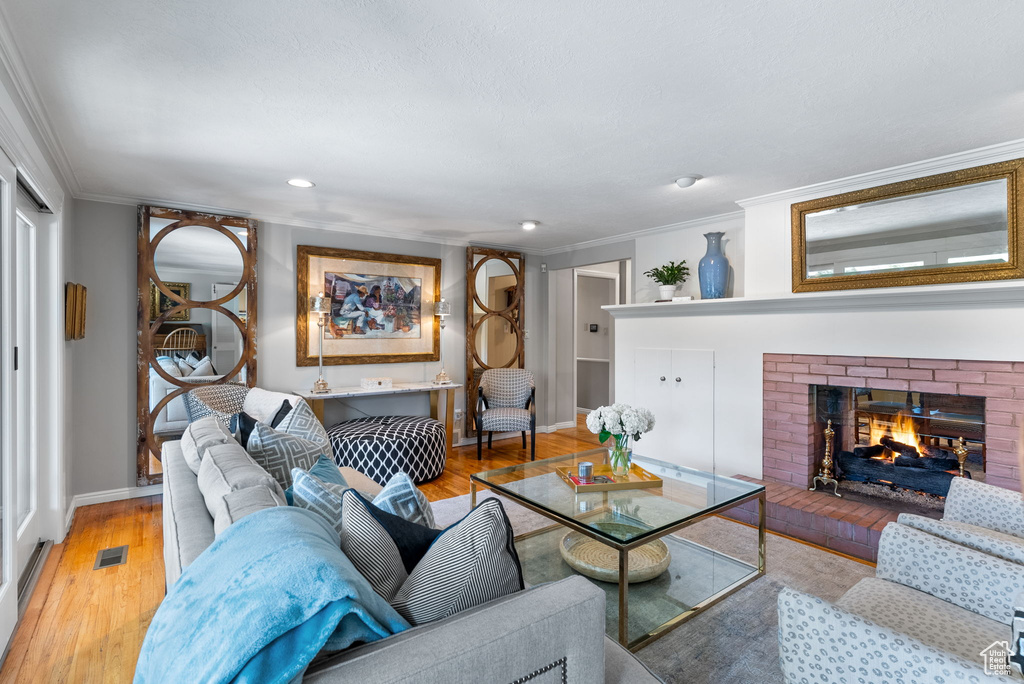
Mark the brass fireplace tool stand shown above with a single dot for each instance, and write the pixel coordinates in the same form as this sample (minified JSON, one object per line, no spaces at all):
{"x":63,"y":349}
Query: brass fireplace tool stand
{"x":961,"y":454}
{"x":825,"y":476}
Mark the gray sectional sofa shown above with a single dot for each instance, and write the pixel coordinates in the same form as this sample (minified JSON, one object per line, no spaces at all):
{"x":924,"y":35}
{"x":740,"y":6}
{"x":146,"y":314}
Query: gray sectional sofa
{"x":552,"y":633}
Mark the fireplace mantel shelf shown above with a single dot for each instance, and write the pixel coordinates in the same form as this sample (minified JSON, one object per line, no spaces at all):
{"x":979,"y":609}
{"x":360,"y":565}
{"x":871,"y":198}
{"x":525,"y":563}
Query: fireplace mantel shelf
{"x":1004,"y":294}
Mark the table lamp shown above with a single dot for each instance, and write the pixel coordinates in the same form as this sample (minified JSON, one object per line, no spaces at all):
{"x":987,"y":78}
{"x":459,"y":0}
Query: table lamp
{"x":442,"y":310}
{"x":321,"y":306}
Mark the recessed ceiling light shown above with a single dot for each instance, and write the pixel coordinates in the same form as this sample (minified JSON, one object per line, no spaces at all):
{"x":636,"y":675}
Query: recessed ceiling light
{"x":301,"y":183}
{"x":529,"y":225}
{"x":688,"y":180}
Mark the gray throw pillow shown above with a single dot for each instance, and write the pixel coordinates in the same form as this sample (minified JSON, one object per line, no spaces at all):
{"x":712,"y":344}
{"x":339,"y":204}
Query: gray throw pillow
{"x":279,"y":452}
{"x":227,"y":468}
{"x":242,"y":502}
{"x":201,"y":435}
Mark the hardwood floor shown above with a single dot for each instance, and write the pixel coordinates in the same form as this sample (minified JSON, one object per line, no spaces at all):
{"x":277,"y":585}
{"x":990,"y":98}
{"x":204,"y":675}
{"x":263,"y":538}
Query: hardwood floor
{"x":85,"y":625}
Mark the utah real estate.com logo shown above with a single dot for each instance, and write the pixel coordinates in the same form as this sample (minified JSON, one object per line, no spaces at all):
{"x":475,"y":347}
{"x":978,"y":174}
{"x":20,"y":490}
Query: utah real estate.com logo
{"x":997,"y":659}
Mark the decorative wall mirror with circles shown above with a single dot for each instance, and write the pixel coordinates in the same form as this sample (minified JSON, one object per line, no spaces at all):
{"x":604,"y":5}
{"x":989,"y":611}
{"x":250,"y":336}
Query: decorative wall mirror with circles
{"x":495,"y":282}
{"x":196,"y":319}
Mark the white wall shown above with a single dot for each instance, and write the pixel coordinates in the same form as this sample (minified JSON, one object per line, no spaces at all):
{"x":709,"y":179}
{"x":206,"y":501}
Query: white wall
{"x":740,"y":335}
{"x":689,"y":243}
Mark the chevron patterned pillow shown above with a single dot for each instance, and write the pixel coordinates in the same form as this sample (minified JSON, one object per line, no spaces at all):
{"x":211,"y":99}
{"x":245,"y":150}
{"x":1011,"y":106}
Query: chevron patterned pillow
{"x":470,"y":563}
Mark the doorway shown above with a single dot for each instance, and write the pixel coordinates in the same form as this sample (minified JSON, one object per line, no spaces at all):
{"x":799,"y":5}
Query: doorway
{"x":593,"y":288}
{"x":582,"y":337}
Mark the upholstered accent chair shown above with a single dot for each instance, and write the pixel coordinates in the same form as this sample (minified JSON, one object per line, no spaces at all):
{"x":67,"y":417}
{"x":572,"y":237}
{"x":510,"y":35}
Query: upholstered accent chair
{"x":506,"y":402}
{"x":979,"y":516}
{"x":929,"y":614}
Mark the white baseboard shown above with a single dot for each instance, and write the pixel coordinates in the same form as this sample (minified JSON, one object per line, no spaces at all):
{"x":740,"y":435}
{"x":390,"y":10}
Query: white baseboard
{"x":498,"y":436}
{"x":107,"y":496}
{"x":584,"y":411}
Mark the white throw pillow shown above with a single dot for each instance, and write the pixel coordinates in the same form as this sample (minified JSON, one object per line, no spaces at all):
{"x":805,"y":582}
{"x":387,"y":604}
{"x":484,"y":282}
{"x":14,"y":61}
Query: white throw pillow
{"x":263,"y":404}
{"x":204,"y":368}
{"x":186,"y":370}
{"x":169,"y":365}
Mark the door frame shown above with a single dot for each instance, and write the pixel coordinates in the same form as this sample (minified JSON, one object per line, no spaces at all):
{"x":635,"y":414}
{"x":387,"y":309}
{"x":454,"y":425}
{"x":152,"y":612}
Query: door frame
{"x":576,"y":273}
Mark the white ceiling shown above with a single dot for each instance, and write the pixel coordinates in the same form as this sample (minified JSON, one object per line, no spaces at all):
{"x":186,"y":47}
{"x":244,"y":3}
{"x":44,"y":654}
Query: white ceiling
{"x":457,"y":118}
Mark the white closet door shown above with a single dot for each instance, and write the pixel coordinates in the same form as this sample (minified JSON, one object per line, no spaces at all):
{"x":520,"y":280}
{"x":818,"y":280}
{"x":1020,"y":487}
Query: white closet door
{"x":678,"y":385}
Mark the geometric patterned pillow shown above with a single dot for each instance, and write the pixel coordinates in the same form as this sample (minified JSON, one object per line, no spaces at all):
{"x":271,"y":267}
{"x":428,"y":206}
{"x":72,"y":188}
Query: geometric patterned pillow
{"x":302,"y":422}
{"x":472,"y":562}
{"x":222,"y":401}
{"x":278,"y":452}
{"x":399,"y":498}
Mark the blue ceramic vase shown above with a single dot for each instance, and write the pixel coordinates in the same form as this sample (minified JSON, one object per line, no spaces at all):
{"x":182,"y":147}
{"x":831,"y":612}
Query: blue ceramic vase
{"x":713,"y":270}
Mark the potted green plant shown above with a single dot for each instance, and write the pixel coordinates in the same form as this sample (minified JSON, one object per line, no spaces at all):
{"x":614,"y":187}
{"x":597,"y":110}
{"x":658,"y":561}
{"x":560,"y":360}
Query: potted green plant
{"x":668,"y":277}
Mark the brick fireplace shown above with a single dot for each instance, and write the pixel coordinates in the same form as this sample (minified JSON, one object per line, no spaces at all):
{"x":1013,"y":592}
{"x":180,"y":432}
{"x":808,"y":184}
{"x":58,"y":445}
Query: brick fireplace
{"x":792,"y":449}
{"x":793,"y":445}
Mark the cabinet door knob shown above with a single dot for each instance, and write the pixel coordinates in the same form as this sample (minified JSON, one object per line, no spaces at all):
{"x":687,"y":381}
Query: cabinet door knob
{"x":663,"y":378}
{"x":679,"y":379}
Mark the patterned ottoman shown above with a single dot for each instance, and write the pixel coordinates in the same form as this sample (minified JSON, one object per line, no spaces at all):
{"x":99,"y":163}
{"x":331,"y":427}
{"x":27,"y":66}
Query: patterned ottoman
{"x":380,"y":446}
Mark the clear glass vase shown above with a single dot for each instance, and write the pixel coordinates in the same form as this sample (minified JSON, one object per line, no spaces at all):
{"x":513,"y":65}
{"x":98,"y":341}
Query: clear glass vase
{"x":620,"y":456}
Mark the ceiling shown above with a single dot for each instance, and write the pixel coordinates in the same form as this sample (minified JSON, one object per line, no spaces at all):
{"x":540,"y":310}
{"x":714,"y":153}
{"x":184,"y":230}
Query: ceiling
{"x":456,"y":119}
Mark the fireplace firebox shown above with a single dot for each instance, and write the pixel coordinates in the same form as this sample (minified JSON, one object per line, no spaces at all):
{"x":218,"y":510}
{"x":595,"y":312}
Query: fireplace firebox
{"x":896,"y":441}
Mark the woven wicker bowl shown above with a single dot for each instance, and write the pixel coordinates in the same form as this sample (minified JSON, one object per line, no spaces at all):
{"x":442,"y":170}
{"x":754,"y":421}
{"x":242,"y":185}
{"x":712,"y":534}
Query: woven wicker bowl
{"x":601,"y":562}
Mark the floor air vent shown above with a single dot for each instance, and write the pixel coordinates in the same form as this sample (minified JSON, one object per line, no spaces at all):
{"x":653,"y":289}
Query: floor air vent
{"x":108,"y":558}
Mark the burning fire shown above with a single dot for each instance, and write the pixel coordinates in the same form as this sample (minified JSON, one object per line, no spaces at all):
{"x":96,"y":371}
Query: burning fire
{"x":901,"y":429}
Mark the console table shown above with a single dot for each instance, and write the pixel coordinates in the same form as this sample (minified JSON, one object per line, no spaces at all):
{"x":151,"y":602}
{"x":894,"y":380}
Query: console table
{"x":438,"y":394}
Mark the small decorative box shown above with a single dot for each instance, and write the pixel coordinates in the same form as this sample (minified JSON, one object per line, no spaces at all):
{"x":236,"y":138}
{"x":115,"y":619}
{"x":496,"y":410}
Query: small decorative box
{"x":375,"y":383}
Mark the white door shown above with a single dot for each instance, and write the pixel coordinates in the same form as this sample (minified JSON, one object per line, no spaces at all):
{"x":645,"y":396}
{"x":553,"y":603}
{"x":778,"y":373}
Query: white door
{"x":26,"y":454}
{"x":9,"y":418}
{"x":226,"y":345}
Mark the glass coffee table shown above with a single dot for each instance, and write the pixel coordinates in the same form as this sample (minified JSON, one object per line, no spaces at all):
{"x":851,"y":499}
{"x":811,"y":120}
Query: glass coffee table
{"x":697,"y":576}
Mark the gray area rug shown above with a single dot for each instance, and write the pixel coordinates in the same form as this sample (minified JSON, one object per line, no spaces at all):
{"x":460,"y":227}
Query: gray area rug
{"x":735,"y":640}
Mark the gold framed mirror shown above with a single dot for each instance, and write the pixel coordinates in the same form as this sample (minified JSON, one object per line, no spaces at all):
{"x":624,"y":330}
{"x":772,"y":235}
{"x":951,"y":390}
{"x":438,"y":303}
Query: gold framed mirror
{"x":196,"y":318}
{"x":961,"y":226}
{"x":495,"y":288}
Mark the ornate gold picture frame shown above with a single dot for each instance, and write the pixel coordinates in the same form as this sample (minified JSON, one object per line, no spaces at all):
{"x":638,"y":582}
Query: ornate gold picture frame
{"x":159,"y":302}
{"x":381,"y":307}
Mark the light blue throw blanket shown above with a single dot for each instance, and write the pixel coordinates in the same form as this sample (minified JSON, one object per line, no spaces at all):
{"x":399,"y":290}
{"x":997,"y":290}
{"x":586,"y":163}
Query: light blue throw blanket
{"x":260,"y":603}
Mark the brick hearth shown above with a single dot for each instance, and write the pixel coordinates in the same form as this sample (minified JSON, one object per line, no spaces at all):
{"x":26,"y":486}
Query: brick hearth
{"x":790,"y":454}
{"x":819,"y":518}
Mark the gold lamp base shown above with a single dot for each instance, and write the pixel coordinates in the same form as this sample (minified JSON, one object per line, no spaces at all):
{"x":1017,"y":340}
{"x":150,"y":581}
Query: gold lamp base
{"x":320,"y":387}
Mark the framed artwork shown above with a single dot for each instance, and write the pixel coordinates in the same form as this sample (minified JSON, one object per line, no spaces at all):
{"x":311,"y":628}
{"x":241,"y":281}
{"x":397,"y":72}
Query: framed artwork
{"x":381,"y":307}
{"x":160,"y":302}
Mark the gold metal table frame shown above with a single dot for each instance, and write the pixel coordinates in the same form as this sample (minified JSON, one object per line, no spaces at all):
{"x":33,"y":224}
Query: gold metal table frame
{"x":624,"y":548}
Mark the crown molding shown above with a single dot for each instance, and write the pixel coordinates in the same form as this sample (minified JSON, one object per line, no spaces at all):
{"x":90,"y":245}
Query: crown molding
{"x":705,"y":222}
{"x":10,"y":58}
{"x":928,"y":167}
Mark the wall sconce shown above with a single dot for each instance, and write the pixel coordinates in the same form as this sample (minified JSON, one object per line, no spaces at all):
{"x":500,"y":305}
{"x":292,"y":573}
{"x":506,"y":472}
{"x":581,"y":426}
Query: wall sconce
{"x":442,"y":310}
{"x":321,"y":306}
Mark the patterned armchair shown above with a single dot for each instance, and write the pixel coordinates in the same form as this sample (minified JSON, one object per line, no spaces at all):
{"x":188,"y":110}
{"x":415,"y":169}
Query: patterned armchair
{"x":934,"y":612}
{"x":506,"y":402}
{"x":979,"y":516}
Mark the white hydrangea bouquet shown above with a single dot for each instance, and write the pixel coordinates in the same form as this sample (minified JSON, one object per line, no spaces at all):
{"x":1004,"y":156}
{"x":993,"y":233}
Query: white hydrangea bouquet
{"x":623,"y":422}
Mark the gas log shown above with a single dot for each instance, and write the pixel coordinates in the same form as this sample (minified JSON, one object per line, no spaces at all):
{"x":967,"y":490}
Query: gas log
{"x":906,"y":472}
{"x":899,"y":447}
{"x":868,"y":451}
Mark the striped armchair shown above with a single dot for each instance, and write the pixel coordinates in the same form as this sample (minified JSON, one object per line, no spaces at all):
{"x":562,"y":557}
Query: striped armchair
{"x":506,"y":402}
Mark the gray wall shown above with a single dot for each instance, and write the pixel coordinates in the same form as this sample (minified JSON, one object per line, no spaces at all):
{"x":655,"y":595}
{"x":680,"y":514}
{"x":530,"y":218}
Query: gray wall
{"x":103,"y":368}
{"x":592,"y":378}
{"x":102,"y":387}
